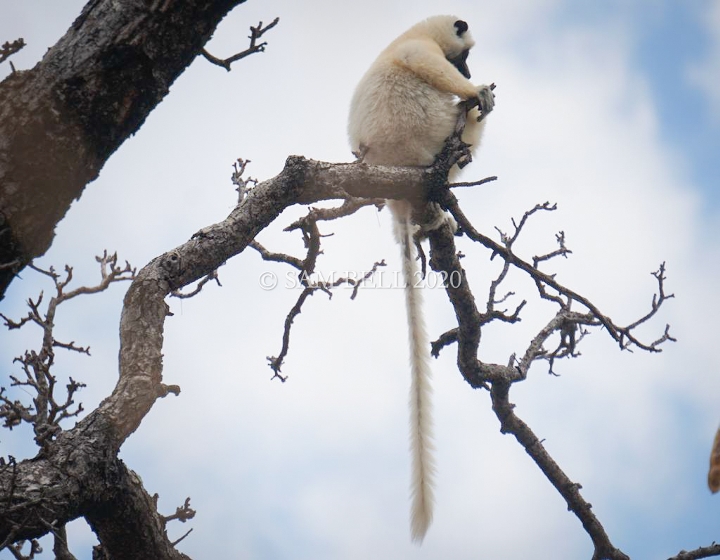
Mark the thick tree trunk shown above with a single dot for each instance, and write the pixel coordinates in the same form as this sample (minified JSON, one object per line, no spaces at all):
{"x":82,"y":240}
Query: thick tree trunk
{"x":61,"y":121}
{"x":82,"y":476}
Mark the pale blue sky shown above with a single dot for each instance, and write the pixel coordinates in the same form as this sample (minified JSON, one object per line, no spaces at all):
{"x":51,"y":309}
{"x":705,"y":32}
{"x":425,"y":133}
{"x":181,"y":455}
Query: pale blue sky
{"x":669,"y":39}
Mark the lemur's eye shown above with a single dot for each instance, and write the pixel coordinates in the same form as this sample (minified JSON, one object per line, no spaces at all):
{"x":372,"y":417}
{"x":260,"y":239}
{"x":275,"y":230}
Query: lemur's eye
{"x":461,"y":27}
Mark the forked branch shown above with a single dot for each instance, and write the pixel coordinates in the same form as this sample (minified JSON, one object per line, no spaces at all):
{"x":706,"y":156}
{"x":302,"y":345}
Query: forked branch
{"x":308,"y":226}
{"x":9,"y":48}
{"x":46,"y":411}
{"x":568,"y":326}
{"x":255,"y":34}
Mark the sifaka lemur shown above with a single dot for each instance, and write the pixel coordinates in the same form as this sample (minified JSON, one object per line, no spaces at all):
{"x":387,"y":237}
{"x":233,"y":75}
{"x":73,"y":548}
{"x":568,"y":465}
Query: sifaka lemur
{"x":402,"y":111}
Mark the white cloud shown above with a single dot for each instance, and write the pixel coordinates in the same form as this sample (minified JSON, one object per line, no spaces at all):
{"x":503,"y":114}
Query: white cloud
{"x":704,"y":74}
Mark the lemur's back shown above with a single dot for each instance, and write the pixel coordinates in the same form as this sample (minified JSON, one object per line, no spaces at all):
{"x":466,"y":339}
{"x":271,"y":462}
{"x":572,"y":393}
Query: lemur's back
{"x":398,"y":117}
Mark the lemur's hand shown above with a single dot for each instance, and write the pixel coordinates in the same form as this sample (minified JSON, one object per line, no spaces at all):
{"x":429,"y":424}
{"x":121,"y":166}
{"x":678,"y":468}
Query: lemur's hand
{"x":487,"y":100}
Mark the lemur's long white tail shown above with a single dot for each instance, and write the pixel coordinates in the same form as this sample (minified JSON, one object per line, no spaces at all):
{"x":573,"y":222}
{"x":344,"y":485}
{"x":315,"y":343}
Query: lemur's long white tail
{"x":421,"y":446}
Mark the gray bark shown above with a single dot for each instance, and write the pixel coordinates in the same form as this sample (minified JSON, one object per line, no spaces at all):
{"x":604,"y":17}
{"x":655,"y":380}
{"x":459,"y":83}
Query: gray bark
{"x":62,"y":120}
{"x":79,"y":474}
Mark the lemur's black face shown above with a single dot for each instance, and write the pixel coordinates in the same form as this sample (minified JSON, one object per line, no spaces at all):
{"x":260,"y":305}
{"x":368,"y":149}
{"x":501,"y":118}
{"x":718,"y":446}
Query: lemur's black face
{"x":460,"y":62}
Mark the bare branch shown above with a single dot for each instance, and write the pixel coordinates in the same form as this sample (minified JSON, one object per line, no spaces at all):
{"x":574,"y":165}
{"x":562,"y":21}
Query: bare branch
{"x":358,"y":283}
{"x":255,"y":34}
{"x":16,"y":550}
{"x":546,"y":206}
{"x":565,"y":322}
{"x":623,"y":335}
{"x":182,"y":513}
{"x":702,"y":552}
{"x":570,"y":491}
{"x":473,"y":183}
{"x":657,"y":300}
{"x":277,"y":257}
{"x":311,"y":238}
{"x":310,"y":287}
{"x":212,"y":276}
{"x":445,"y":339}
{"x":46,"y":413}
{"x":60,"y":546}
{"x":71,"y":346}
{"x":444,"y":259}
{"x":304,"y":181}
{"x":562,"y":251}
{"x":243,"y":185}
{"x":9,"y":48}
{"x":568,"y":325}
{"x":349,"y":206}
{"x":175,"y":542}
{"x":276,"y":362}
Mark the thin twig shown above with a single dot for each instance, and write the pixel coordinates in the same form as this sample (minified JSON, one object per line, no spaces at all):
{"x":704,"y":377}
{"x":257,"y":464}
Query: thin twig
{"x":47,"y":412}
{"x":255,"y":47}
{"x":10,"y":48}
{"x":198,"y":288}
{"x":473,"y":183}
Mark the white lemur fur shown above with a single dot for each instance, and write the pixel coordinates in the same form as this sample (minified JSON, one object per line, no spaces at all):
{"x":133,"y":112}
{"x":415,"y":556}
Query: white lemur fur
{"x":403,"y":110}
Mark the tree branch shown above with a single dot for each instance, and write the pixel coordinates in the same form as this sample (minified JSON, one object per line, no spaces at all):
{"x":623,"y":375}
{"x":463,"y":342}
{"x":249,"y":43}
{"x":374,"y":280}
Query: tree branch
{"x":570,"y":491}
{"x":64,"y":118}
{"x":92,"y":445}
{"x":698,"y":553}
{"x":255,"y":34}
{"x":10,"y":48}
{"x":46,"y":413}
{"x":498,"y":378}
